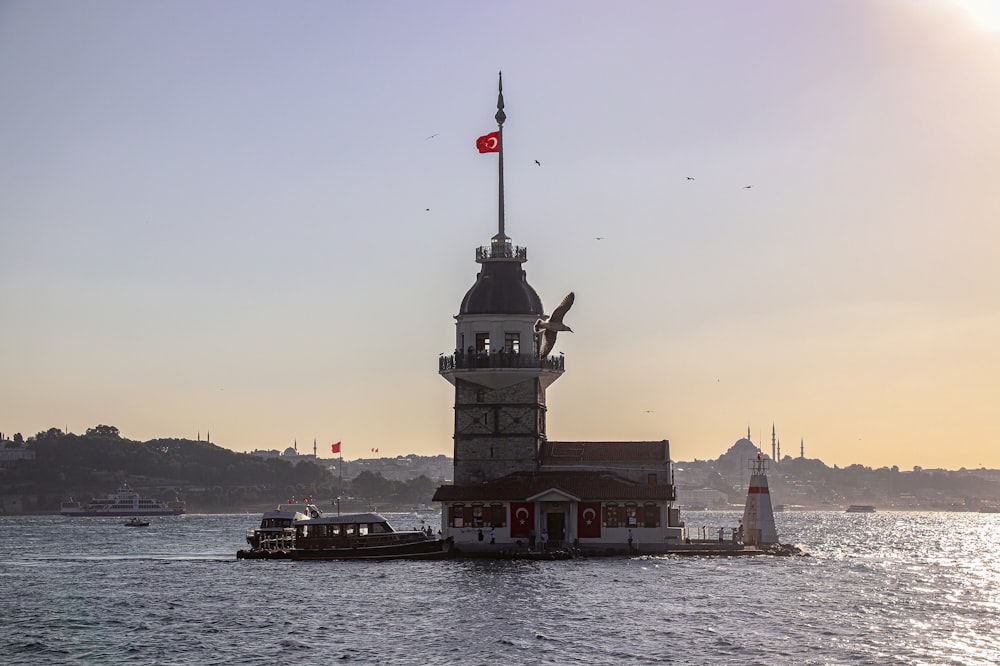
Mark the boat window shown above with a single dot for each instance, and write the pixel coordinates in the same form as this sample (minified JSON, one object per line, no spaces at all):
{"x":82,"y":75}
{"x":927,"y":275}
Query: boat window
{"x":380,"y":528}
{"x":351,"y":530}
{"x":477,"y":515}
{"x":631,"y":515}
{"x":363,"y":529}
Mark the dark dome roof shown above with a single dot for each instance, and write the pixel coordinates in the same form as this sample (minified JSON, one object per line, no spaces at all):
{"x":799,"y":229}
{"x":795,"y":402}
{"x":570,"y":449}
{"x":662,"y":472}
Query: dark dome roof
{"x":501,"y":288}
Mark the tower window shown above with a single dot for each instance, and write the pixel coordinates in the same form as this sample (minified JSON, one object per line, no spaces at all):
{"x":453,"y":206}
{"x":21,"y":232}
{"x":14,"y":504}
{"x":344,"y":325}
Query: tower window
{"x":483,"y":342}
{"x":512,"y":342}
{"x":480,"y":395}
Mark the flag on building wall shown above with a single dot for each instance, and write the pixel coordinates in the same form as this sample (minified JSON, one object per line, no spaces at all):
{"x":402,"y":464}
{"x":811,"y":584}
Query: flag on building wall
{"x":588,"y":520}
{"x":489,"y":143}
{"x":522,"y":519}
{"x":335,"y":447}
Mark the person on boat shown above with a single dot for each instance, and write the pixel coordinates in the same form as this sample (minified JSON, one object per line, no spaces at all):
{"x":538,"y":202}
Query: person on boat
{"x":493,"y":535}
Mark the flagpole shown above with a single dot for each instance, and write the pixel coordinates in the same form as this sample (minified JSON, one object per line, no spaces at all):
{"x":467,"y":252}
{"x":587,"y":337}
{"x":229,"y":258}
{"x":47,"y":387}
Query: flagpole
{"x":500,"y":117}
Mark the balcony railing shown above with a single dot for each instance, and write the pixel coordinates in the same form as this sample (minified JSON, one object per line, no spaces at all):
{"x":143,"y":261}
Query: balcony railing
{"x":500,"y":359}
{"x":501,"y":251}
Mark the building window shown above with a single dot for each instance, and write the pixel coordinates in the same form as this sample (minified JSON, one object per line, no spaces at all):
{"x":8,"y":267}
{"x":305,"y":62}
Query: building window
{"x":457,"y":518}
{"x":477,"y":515}
{"x":498,"y":515}
{"x":651,"y":479}
{"x":480,"y":395}
{"x":512,"y":343}
{"x":483,"y":342}
{"x":651,"y":515}
{"x":611,"y":515}
{"x":631,"y":519}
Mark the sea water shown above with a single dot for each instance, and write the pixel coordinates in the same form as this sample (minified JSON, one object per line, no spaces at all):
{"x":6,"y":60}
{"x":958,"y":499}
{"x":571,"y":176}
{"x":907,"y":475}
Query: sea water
{"x":883,"y":588}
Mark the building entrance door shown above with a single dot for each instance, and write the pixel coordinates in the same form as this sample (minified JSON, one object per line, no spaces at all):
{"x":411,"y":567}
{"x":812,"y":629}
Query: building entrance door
{"x":555,"y":524}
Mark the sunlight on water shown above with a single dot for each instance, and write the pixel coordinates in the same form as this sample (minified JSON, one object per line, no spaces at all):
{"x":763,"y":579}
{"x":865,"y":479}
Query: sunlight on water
{"x":902,"y":588}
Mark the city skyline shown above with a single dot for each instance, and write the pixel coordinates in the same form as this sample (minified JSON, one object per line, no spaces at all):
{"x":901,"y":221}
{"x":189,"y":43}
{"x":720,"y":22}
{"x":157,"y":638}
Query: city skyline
{"x":260,"y":223}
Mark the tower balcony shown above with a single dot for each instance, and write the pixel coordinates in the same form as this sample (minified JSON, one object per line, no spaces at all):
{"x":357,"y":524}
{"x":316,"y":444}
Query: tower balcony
{"x":501,"y":251}
{"x":500,"y":369}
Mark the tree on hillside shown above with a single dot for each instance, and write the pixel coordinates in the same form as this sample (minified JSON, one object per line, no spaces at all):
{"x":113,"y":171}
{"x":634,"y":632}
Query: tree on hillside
{"x":104,"y":431}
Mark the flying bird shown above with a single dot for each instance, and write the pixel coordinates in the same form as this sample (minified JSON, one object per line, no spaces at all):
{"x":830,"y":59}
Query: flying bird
{"x":554,"y":325}
{"x":747,"y":187}
{"x":690,"y":178}
{"x":538,"y":163}
{"x":598,"y":237}
{"x":431,"y":137}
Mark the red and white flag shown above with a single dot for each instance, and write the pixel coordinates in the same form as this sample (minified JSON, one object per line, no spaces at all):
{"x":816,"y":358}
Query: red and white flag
{"x":489,"y":143}
{"x":335,"y":447}
{"x":522,"y":519}
{"x":588,"y":520}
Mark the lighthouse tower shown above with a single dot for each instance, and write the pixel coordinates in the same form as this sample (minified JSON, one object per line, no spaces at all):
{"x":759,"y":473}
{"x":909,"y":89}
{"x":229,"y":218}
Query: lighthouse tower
{"x":758,"y":514}
{"x":499,"y":380}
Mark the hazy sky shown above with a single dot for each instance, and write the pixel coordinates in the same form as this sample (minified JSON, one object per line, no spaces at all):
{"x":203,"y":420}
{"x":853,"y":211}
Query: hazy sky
{"x":213,"y":217}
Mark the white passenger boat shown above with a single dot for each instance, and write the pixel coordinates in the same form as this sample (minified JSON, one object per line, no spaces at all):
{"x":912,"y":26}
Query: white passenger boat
{"x":123,"y":502}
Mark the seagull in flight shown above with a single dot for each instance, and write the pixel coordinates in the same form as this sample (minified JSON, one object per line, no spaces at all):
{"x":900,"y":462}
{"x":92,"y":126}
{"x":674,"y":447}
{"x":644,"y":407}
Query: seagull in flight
{"x":554,"y":325}
{"x":690,"y":178}
{"x":431,"y":137}
{"x":747,"y":187}
{"x":598,"y":237}
{"x":538,"y":163}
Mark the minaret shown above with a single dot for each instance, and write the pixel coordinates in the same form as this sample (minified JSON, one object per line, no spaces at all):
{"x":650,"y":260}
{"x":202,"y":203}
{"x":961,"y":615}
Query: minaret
{"x":779,"y":450}
{"x":499,"y":380}
{"x":774,"y":443}
{"x":315,"y":455}
{"x":802,"y":448}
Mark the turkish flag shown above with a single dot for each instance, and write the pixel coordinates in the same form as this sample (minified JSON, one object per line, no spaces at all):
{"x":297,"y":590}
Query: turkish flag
{"x":522,"y":519}
{"x":489,"y":143}
{"x":335,"y":447}
{"x":588,"y":520}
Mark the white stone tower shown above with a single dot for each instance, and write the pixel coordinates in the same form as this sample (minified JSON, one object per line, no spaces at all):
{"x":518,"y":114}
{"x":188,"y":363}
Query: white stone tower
{"x":499,"y":380}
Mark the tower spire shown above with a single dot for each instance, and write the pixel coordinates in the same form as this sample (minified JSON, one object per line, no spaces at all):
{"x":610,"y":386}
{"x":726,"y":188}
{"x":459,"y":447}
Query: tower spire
{"x":500,"y":117}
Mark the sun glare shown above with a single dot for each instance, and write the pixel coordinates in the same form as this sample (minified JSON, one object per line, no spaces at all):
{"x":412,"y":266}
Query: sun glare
{"x":986,"y":13}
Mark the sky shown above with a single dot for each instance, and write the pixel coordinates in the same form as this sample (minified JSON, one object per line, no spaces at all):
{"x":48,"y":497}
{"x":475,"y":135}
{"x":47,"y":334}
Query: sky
{"x":258,"y":220}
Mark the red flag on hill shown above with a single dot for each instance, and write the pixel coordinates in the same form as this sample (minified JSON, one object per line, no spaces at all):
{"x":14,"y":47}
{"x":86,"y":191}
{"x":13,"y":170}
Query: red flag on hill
{"x":489,"y":143}
{"x":335,"y":447}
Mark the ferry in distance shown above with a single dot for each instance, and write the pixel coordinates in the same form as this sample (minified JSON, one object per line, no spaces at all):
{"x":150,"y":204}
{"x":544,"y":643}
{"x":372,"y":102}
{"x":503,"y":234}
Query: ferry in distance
{"x":123,"y":502}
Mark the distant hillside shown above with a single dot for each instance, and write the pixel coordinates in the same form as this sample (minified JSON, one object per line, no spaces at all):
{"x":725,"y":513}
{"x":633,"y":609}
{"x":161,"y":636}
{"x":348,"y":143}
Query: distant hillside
{"x":207,"y":477}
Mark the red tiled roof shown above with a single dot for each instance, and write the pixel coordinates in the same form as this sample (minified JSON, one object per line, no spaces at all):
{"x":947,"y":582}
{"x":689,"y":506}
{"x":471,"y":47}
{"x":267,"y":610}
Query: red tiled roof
{"x":583,"y":485}
{"x":562,"y":452}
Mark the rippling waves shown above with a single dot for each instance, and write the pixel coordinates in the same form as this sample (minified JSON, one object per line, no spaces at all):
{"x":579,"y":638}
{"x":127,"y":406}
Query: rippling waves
{"x":885,"y":588}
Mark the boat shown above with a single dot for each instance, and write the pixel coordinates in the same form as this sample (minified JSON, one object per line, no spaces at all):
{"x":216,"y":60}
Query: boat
{"x":363,"y":536}
{"x":124,"y":502}
{"x":423,"y":508}
{"x":861,"y":508}
{"x":275,"y":536}
{"x":136,"y":522}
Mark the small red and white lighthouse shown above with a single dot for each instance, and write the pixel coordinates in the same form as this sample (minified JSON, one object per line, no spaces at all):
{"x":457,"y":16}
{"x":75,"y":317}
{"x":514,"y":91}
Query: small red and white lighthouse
{"x":758,"y":515}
